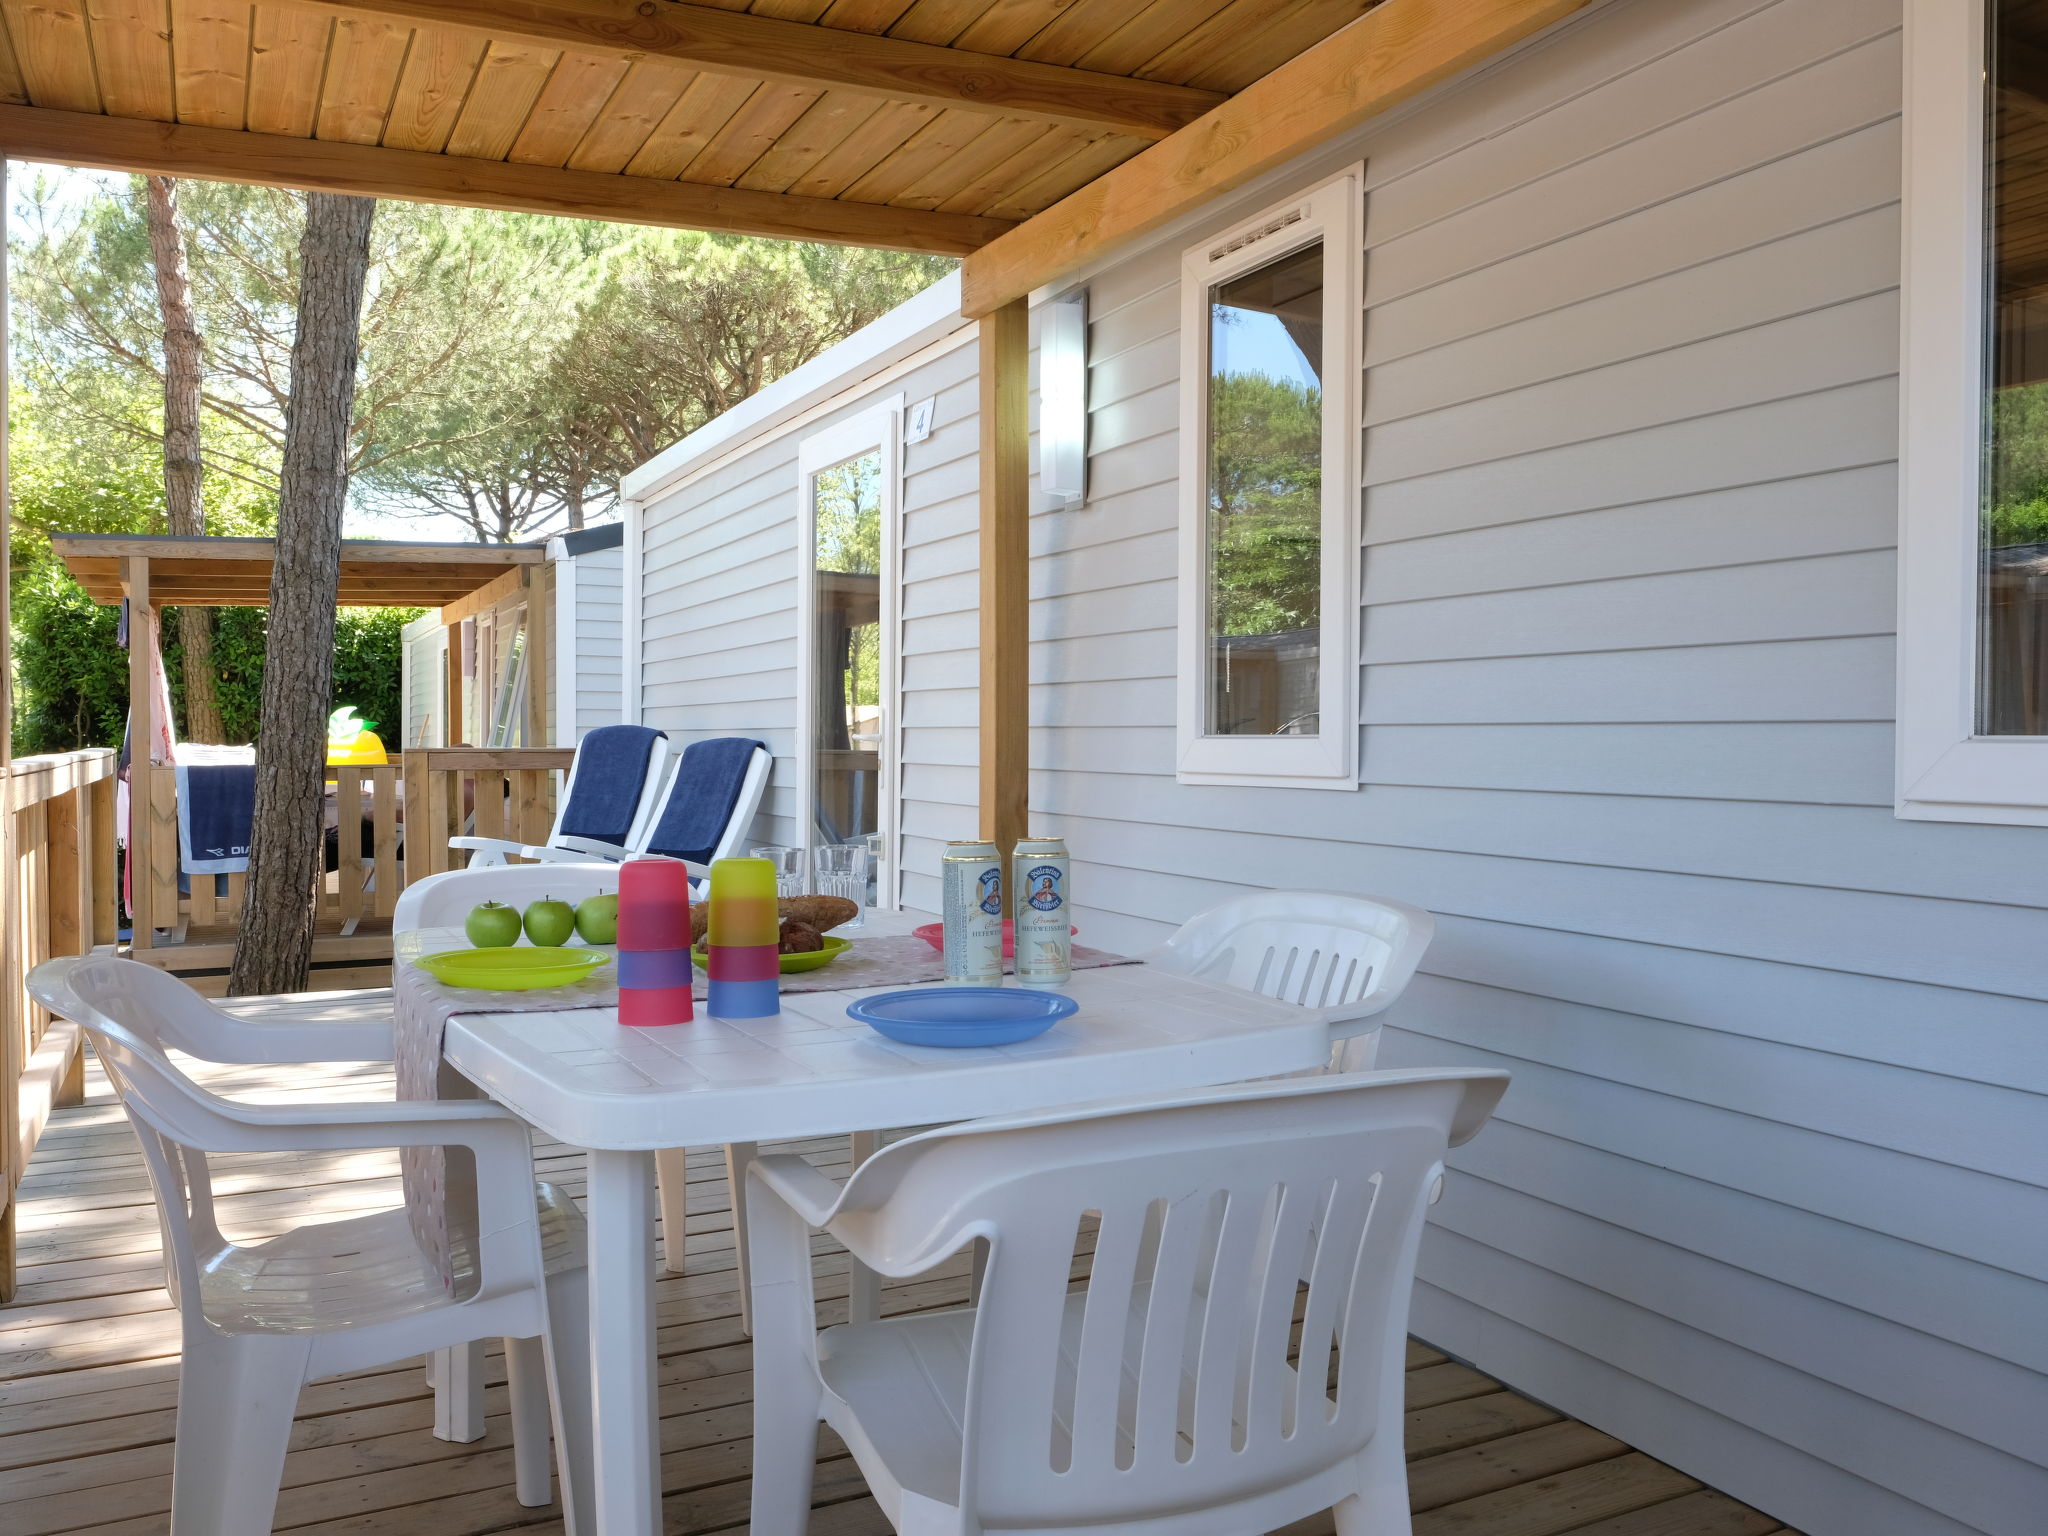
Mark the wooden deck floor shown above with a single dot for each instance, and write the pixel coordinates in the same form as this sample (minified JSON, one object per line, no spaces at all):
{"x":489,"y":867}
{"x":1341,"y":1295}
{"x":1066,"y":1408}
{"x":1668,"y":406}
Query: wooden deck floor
{"x":88,"y":1379}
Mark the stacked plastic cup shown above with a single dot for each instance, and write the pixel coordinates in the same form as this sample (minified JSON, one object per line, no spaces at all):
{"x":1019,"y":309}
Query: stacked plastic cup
{"x":742,"y":954}
{"x":654,"y":942}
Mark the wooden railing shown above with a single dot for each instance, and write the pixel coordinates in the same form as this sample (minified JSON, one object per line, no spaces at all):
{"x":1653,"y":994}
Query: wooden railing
{"x":506,"y":792}
{"x":363,"y":822}
{"x":57,"y":865}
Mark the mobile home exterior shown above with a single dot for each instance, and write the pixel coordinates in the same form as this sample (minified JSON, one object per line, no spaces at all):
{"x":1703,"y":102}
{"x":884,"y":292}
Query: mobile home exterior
{"x":1767,"y":1197}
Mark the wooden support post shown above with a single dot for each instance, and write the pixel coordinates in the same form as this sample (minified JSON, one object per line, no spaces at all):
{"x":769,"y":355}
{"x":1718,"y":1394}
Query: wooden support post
{"x":141,"y":737}
{"x":453,"y":733}
{"x":1005,"y":574}
{"x":540,"y":671}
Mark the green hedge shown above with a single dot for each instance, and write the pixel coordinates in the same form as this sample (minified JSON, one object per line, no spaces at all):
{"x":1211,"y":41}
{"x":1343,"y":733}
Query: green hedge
{"x":71,"y":675}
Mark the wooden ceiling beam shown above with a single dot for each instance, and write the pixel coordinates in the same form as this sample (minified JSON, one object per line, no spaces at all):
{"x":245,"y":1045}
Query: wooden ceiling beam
{"x":93,"y":142}
{"x":1391,"y":53}
{"x":767,"y":48}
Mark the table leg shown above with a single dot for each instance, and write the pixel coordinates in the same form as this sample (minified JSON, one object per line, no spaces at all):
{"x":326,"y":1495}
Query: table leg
{"x":627,"y":1419}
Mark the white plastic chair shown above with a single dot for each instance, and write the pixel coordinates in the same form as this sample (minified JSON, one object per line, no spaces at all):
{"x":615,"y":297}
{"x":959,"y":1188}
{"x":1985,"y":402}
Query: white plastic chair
{"x":261,"y":1319}
{"x":1350,"y":955}
{"x":1161,"y":1398}
{"x":732,"y":840}
{"x":444,"y":900}
{"x":594,"y":756}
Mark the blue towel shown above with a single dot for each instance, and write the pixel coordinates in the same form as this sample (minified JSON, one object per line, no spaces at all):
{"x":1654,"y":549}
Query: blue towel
{"x":701,"y":800}
{"x":611,"y":770}
{"x":216,"y":806}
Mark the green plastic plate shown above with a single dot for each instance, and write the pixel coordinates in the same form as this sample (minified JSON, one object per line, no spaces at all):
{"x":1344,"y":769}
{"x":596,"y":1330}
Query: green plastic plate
{"x":791,"y":964}
{"x":517,"y":969}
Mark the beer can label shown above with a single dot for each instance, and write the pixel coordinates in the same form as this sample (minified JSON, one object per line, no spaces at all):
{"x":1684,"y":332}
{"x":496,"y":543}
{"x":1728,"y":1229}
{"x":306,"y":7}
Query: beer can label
{"x":1044,"y":947}
{"x":972,"y":910}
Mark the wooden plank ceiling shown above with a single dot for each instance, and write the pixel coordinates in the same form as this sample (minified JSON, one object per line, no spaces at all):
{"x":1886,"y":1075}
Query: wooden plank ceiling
{"x":922,"y":124}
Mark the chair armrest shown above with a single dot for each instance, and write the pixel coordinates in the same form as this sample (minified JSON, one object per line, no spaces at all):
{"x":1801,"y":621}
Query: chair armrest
{"x":485,"y":844}
{"x":800,"y":1186}
{"x":266,"y":1030}
{"x":580,"y":850}
{"x":474,"y":1123}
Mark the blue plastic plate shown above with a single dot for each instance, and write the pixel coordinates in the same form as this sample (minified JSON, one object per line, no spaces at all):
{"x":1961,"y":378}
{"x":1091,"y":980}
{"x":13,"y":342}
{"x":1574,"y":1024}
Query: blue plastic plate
{"x":963,"y":1015}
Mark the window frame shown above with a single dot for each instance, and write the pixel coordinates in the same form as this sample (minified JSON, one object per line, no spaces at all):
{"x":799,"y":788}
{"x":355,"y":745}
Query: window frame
{"x":1332,"y":214}
{"x":1946,"y":771}
{"x":879,"y":428}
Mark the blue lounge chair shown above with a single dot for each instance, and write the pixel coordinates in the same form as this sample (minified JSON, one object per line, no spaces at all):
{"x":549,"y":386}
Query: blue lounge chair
{"x":613,"y":788}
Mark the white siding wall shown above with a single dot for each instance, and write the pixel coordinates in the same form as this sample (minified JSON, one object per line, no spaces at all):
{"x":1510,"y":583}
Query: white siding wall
{"x":599,"y":575}
{"x":422,"y":670}
{"x":719,"y":626}
{"x":1769,"y":1197}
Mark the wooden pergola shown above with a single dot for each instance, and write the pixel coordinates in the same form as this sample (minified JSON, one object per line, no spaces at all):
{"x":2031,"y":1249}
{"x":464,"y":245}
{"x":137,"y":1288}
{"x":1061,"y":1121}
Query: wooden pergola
{"x":1030,"y":137}
{"x":150,"y":573}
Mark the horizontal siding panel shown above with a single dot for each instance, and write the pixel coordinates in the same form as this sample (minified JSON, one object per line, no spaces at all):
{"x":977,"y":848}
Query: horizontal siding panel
{"x":1981,"y":1035}
{"x":1986,"y":1310}
{"x":1824,"y":514}
{"x":1976,"y":1126}
{"x":1830,"y":764}
{"x":1948,"y":943}
{"x":1932,"y":1205}
{"x":1839,"y":848}
{"x":1809,"y":680}
{"x":1851,"y":259}
{"x":1722,"y":66}
{"x":1836,"y":429}
{"x":1850,"y":91}
{"x":1806,"y":189}
{"x":1974,"y":1396}
{"x":1818,"y":598}
{"x":1844,"y":344}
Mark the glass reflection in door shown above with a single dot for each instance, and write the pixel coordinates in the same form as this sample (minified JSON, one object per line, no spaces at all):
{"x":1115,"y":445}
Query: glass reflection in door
{"x":846,"y":631}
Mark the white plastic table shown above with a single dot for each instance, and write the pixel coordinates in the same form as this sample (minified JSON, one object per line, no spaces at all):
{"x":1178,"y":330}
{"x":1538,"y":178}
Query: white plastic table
{"x":622,"y":1094}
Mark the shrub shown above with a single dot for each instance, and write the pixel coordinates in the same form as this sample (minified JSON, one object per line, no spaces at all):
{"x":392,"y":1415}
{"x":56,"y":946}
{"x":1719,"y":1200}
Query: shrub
{"x":71,"y":683}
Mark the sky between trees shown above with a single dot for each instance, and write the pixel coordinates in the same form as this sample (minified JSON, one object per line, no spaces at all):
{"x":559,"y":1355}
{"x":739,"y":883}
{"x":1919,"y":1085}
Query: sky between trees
{"x":513,"y":366}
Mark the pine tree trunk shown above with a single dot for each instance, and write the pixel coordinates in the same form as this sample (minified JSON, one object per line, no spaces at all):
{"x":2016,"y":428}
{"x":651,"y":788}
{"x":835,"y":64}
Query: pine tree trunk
{"x":274,"y":951}
{"x":184,"y":508}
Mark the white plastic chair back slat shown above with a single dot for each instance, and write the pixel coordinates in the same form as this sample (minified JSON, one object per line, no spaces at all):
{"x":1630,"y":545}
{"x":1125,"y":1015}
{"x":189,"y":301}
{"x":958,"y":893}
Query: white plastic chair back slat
{"x":445,"y":900}
{"x":1163,"y":1392}
{"x":1332,"y":950}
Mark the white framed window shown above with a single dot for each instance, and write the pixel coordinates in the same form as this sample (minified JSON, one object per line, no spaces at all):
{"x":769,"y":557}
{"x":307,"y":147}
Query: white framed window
{"x":1268,"y":652}
{"x":849,"y":538}
{"x":1973,"y":471}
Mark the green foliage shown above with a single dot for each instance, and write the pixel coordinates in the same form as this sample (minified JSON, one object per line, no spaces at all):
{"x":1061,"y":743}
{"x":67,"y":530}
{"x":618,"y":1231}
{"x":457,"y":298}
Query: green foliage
{"x":1265,"y":504}
{"x":2017,"y":506}
{"x":71,"y":677}
{"x":72,"y":674}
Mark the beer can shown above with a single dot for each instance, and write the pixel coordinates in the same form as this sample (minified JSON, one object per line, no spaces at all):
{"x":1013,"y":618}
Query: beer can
{"x":971,"y":889}
{"x":1045,"y":950}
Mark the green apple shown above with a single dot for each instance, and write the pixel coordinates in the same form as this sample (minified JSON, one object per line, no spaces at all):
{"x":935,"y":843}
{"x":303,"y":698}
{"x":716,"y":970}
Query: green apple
{"x":550,"y":922}
{"x":492,"y":925}
{"x":597,"y":919}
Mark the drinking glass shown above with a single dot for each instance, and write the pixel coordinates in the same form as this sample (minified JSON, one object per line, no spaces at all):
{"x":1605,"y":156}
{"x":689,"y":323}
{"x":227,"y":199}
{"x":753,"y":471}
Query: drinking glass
{"x":789,"y":868}
{"x":842,"y":870}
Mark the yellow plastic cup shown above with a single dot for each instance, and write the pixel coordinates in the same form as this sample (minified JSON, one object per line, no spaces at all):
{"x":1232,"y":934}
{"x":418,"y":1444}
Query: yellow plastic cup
{"x":743,"y":907}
